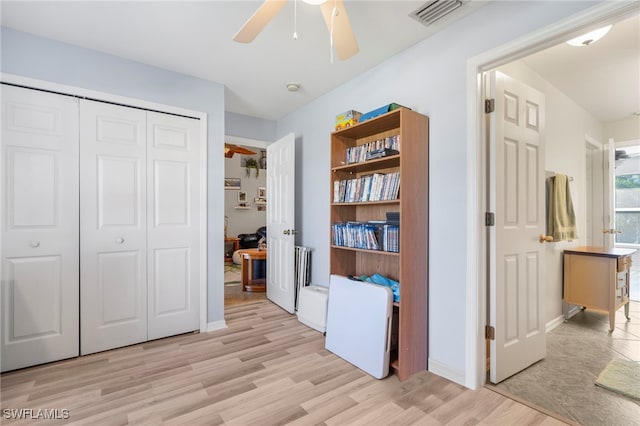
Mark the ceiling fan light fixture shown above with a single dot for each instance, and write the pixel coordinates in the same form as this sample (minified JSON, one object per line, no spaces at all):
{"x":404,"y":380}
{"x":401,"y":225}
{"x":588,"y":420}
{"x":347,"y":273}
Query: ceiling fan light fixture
{"x":589,"y":38}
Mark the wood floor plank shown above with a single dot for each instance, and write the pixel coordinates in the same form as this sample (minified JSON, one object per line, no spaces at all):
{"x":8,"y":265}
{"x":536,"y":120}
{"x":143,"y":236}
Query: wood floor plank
{"x":266,"y":368}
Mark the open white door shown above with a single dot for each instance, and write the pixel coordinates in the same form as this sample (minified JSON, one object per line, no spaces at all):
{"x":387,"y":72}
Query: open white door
{"x":516,"y":255}
{"x":281,"y":222}
{"x":609,"y":194}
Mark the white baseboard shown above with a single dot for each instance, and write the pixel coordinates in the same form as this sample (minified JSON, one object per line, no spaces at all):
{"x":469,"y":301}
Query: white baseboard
{"x":216,"y":325}
{"x":447,"y":372}
{"x":554,"y":323}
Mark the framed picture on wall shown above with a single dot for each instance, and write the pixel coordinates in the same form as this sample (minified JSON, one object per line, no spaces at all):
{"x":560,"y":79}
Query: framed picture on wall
{"x":242,"y":197}
{"x":231,"y":183}
{"x":262,"y":192}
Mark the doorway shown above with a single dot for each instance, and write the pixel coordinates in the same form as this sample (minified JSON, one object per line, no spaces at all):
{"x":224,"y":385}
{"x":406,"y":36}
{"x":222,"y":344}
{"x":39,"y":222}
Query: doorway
{"x":573,"y":162}
{"x":245,"y":213}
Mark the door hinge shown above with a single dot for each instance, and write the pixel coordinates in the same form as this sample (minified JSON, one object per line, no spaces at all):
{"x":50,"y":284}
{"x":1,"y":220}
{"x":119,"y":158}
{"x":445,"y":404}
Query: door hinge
{"x":489,"y":219}
{"x":489,"y":332}
{"x":489,"y":105}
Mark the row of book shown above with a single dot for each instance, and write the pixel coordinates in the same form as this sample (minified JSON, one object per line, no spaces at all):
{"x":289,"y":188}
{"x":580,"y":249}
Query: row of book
{"x":358,"y":153}
{"x":367,"y":236}
{"x":373,"y":187}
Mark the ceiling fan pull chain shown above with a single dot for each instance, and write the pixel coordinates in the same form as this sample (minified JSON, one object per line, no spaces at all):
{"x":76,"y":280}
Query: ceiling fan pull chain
{"x":295,"y":19}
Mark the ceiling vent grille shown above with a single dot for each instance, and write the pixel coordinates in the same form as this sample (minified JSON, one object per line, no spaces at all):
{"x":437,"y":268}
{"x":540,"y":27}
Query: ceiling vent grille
{"x":432,"y":11}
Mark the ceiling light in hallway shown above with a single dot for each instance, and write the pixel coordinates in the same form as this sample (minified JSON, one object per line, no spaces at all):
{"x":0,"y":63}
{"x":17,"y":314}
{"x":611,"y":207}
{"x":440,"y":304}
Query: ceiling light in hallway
{"x":589,"y":38}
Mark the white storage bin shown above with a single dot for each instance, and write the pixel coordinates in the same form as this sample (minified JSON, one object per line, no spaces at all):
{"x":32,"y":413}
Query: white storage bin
{"x":312,"y":307}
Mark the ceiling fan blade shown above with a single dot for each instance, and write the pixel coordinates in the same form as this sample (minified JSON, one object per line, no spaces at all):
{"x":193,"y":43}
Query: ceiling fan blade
{"x":265,"y":13}
{"x":230,"y":149}
{"x":344,"y":40}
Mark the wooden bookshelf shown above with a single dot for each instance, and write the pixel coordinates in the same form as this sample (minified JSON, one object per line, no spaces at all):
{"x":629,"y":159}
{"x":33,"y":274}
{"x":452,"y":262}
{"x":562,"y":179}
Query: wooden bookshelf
{"x":410,"y":265}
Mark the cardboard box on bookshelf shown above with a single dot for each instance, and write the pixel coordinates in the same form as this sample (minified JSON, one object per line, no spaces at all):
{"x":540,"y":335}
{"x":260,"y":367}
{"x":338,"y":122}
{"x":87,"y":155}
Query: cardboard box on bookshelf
{"x":379,"y":111}
{"x":347,"y":119}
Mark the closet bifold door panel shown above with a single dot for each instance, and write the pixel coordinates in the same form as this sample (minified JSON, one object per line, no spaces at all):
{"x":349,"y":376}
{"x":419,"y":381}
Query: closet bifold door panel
{"x":39,"y":242}
{"x":173,"y":221}
{"x":113,"y":226}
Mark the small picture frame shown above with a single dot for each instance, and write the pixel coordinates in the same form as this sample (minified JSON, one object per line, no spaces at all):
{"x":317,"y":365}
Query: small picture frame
{"x":232,"y":183}
{"x":262,"y":192}
{"x":242,"y":197}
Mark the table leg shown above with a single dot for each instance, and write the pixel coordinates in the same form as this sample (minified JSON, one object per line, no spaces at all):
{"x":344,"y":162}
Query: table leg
{"x":245,"y":272}
{"x":612,"y":320}
{"x":626,"y":311}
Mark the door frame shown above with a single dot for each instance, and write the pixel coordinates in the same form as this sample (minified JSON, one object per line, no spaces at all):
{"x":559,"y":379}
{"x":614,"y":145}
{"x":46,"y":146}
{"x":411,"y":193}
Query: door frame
{"x":64,"y":89}
{"x":477,"y":190}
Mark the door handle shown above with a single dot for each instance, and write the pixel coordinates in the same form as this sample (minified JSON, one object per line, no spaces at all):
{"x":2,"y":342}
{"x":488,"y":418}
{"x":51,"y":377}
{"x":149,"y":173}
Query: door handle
{"x":546,"y":238}
{"x":289,"y":232}
{"x":35,"y":244}
{"x":119,"y":240}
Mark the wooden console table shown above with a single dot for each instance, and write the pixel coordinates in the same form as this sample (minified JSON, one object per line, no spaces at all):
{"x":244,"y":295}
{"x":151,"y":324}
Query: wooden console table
{"x":249,"y":283}
{"x":597,"y":278}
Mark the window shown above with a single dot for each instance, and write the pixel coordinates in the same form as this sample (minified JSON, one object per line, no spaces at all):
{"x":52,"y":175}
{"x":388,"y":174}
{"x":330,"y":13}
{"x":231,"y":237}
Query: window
{"x":627,"y":211}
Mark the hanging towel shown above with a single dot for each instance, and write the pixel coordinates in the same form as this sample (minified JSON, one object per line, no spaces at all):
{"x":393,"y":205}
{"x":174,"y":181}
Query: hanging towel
{"x":561,"y":218}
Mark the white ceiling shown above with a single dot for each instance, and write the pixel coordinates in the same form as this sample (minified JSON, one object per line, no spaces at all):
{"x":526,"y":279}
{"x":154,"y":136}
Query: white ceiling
{"x":195,"y":38}
{"x":603,"y":77}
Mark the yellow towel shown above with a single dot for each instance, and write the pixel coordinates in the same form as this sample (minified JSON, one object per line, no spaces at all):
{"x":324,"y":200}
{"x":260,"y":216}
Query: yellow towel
{"x":561,"y":218}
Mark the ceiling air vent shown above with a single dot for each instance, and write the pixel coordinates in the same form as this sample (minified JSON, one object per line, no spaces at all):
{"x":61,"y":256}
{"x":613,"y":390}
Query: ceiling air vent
{"x":431,"y":11}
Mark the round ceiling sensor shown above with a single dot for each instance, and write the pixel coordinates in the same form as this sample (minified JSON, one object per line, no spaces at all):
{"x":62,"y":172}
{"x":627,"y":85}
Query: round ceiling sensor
{"x":293,"y":87}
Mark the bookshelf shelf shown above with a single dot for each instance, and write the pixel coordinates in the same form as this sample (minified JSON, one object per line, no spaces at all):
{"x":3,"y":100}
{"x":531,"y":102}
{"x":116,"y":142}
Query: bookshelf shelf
{"x":410,"y":265}
{"x":374,"y":252}
{"x":371,"y":165}
{"x":367,"y":203}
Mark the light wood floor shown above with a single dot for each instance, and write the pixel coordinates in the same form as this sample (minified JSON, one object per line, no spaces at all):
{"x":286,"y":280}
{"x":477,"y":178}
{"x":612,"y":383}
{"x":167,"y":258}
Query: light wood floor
{"x":266,"y":368}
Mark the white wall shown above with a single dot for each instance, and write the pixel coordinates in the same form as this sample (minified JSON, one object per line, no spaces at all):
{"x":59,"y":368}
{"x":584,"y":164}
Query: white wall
{"x":429,"y":77}
{"x":623,"y":130}
{"x":244,"y":221}
{"x":249,"y":127}
{"x":567,"y":123}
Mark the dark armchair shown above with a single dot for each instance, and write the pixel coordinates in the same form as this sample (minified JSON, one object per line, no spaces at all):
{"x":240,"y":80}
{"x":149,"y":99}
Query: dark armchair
{"x":252,"y":240}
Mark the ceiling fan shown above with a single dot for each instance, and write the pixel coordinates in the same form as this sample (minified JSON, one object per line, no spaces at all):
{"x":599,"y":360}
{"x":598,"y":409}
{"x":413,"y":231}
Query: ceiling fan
{"x":335,"y":17}
{"x":231,"y":149}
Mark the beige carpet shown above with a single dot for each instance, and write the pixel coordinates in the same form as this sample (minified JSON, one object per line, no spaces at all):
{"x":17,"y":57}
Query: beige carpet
{"x":621,"y":376}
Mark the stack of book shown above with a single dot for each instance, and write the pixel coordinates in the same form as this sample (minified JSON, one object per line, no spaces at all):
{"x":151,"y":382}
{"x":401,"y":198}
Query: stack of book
{"x":358,"y":153}
{"x":356,"y":235}
{"x":373,"y":187}
{"x":372,"y":235}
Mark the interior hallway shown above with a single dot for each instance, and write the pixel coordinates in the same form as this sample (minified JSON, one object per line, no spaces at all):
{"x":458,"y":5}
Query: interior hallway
{"x":233,"y":294}
{"x":577,"y":351}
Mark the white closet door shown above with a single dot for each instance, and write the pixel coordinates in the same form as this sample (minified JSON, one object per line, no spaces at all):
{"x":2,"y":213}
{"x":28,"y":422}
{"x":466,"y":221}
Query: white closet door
{"x":39,"y":198}
{"x":173,"y":185}
{"x":113,"y":222}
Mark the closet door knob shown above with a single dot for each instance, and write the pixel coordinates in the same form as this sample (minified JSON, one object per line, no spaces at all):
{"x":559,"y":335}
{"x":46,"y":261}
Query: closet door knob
{"x":119,"y":240}
{"x":35,"y":244}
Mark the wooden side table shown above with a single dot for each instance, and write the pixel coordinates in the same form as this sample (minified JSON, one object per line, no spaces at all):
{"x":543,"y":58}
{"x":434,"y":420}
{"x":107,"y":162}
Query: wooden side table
{"x":249,"y":283}
{"x":597,"y":278}
{"x":236,"y":244}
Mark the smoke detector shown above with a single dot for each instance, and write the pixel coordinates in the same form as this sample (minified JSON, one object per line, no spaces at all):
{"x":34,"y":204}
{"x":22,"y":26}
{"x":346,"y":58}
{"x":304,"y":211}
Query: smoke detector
{"x":293,"y":87}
